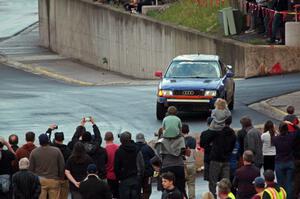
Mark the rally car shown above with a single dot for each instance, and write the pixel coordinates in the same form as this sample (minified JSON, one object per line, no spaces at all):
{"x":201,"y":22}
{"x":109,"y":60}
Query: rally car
{"x":192,"y":83}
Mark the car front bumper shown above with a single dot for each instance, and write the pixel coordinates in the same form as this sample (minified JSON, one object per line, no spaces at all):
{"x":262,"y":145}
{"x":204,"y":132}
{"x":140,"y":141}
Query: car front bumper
{"x":190,"y":105}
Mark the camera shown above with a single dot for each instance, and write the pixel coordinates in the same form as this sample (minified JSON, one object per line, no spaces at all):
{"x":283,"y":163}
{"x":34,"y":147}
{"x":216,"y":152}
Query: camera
{"x":87,"y":119}
{"x":56,"y":127}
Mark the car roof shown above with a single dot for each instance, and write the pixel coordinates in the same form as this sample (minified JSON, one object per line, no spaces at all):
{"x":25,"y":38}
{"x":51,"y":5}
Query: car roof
{"x":197,"y":57}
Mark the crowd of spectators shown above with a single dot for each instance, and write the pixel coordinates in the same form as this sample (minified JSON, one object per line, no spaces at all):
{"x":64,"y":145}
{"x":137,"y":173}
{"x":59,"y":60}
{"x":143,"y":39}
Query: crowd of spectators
{"x":268,"y":17}
{"x":83,"y":169}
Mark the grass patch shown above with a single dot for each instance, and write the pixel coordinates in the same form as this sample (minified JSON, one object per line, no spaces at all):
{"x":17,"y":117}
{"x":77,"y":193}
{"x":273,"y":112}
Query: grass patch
{"x":191,"y":14}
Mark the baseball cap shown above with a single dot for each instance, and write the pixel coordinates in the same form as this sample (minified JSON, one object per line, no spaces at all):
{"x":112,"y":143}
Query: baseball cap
{"x":92,"y":168}
{"x":140,"y":137}
{"x":259,"y":182}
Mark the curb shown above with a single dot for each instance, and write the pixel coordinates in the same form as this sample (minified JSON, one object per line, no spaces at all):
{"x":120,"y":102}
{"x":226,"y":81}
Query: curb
{"x":265,"y":108}
{"x":42,"y":71}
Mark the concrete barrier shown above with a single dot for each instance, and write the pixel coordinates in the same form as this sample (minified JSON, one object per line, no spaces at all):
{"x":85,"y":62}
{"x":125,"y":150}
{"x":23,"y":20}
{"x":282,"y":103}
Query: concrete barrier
{"x":137,"y":45}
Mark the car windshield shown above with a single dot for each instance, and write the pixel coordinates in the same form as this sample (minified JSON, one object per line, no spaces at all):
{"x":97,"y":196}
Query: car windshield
{"x":194,"y":69}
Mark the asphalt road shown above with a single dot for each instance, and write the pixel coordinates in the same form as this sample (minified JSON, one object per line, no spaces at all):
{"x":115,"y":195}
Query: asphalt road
{"x":30,"y":102}
{"x":16,"y":15}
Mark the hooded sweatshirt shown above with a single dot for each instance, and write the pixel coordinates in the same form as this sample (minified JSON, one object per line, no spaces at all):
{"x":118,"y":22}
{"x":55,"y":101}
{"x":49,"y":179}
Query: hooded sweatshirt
{"x":223,"y":145}
{"x":25,"y":151}
{"x":128,"y":162}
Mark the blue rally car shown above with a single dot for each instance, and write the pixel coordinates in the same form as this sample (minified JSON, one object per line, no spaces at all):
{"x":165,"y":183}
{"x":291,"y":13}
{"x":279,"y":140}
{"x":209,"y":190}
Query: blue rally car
{"x":193,"y":82}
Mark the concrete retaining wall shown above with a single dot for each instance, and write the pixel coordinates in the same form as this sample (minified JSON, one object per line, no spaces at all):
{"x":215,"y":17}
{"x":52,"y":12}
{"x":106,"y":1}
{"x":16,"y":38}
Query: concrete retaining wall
{"x":136,"y":45}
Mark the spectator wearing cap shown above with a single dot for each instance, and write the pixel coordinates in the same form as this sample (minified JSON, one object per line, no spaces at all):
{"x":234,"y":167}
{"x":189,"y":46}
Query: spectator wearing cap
{"x":253,"y":142}
{"x":26,"y":185}
{"x":6,"y":159}
{"x":76,"y":168}
{"x":148,"y":154}
{"x":66,"y":152}
{"x":190,"y":160}
{"x":93,"y":187}
{"x":245,"y":176}
{"x":129,"y":167}
{"x":48,"y":163}
{"x":272,"y":189}
{"x":13,"y":140}
{"x":259,"y":185}
{"x":224,"y":189}
{"x":171,"y":123}
{"x":206,"y":143}
{"x":111,"y":149}
{"x":58,"y":141}
{"x":25,"y":150}
{"x":222,"y":146}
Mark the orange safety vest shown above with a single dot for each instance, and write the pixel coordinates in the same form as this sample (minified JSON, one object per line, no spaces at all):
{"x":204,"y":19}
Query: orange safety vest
{"x":274,"y":194}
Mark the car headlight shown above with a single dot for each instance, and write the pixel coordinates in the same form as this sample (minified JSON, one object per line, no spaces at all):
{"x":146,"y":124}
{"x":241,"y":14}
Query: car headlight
{"x":165,"y":93}
{"x":210,"y":93}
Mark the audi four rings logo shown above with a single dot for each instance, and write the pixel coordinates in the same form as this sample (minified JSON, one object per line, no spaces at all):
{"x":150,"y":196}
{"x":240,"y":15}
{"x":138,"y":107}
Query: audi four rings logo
{"x":188,"y":92}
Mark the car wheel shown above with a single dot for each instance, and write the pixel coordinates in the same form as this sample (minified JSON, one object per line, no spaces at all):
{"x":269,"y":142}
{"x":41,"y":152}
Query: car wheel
{"x":231,"y":104}
{"x":160,"y":111}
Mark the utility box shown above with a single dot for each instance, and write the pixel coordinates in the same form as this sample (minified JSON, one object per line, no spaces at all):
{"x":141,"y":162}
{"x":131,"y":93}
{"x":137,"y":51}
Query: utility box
{"x":239,"y":20}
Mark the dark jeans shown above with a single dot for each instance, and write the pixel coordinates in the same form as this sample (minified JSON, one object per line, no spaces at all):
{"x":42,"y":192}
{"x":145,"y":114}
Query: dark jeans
{"x":277,"y":25}
{"x":146,"y":188}
{"x":206,"y":171}
{"x":297,"y":179}
{"x":129,"y":188}
{"x":114,"y":187}
{"x":217,"y":171}
{"x":75,"y":194}
{"x":285,"y":174}
{"x":179,"y":177}
{"x":269,"y":162}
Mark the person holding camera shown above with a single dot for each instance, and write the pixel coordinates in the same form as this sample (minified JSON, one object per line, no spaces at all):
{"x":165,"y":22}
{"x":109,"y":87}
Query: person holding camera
{"x":92,"y":145}
{"x":66,"y":152}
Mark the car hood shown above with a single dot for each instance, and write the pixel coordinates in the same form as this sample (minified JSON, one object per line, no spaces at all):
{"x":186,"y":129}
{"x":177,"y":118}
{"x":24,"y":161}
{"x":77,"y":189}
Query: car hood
{"x":190,"y":83}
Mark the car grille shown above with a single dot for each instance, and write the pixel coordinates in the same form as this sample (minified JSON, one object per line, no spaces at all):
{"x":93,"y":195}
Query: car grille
{"x":188,"y":92}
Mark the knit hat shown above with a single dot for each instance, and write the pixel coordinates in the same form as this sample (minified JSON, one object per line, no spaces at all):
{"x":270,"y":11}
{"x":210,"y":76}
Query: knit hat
{"x":92,"y":168}
{"x":43,"y":139}
{"x":259,"y":182}
{"x":140,"y":137}
{"x":23,"y":163}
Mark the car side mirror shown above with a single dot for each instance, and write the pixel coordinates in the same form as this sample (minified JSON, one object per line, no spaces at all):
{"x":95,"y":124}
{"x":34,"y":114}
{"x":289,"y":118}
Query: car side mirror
{"x":158,"y":74}
{"x":229,"y":74}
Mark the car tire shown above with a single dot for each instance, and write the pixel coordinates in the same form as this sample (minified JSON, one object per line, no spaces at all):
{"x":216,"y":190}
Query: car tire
{"x":160,"y":111}
{"x":231,"y":104}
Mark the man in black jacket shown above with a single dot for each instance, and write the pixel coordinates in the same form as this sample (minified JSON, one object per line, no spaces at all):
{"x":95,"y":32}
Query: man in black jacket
{"x":148,"y":154}
{"x":26,"y":185}
{"x":129,"y":167}
{"x":66,"y":152}
{"x":206,"y":138}
{"x":222,"y":145}
{"x":93,"y":187}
